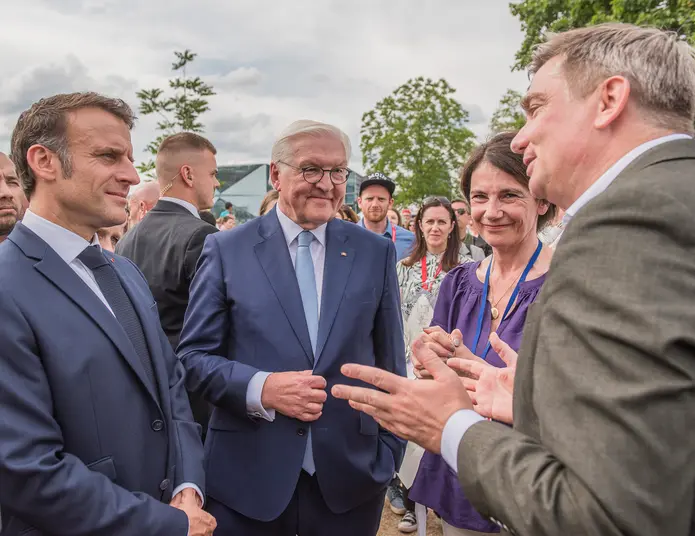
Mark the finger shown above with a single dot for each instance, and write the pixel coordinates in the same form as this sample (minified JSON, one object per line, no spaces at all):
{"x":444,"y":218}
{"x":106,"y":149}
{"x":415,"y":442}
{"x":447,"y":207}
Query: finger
{"x":313,"y":407}
{"x":309,"y":417}
{"x":306,"y":372}
{"x":362,"y":395}
{"x":317,"y":395}
{"x":316,"y":382}
{"x":469,"y":384}
{"x":443,"y":339}
{"x":472,"y":369}
{"x":422,"y":374}
{"x":456,"y":338}
{"x":375,"y":413}
{"x":431,"y":361}
{"x":433,"y":329}
{"x":474,"y":397}
{"x":505,"y":351}
{"x":380,"y":379}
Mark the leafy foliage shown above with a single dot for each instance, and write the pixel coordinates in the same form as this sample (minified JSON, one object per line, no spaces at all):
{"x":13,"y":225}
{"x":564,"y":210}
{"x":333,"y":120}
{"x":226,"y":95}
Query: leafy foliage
{"x":418,"y":137}
{"x":540,"y":16}
{"x":509,"y":114}
{"x":179,"y":112}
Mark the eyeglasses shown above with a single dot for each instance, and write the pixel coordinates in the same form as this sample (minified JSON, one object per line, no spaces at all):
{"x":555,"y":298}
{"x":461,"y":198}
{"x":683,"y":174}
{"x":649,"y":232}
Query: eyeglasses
{"x":314,"y":174}
{"x":460,"y":211}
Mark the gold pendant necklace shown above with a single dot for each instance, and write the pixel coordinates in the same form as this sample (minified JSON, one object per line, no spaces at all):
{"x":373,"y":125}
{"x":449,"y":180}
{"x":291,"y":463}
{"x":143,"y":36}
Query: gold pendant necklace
{"x":494,"y":311}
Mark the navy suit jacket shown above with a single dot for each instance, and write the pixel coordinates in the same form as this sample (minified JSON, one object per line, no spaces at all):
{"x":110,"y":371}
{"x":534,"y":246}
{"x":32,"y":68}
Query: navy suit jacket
{"x":245,"y":315}
{"x":87,"y":447}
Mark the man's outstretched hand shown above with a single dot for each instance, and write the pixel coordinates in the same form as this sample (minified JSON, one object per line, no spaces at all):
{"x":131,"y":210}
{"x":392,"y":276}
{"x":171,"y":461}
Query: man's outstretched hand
{"x":413,"y":410}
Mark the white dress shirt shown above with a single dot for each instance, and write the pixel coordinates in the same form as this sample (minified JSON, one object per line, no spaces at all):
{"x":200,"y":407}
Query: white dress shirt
{"x":68,"y":246}
{"x":185,"y":204}
{"x":459,"y":423}
{"x":291,"y":231}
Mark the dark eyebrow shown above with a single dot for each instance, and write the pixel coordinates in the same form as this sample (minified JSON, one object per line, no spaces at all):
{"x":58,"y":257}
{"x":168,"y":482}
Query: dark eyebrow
{"x":529,"y":98}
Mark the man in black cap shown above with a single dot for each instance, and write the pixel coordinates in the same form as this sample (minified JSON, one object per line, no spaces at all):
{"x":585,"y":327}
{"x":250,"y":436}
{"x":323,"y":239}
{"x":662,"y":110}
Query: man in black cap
{"x":375,"y":200}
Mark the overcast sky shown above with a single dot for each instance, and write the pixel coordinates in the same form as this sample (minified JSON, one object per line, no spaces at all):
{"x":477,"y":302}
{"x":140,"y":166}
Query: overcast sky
{"x":270,"y":62}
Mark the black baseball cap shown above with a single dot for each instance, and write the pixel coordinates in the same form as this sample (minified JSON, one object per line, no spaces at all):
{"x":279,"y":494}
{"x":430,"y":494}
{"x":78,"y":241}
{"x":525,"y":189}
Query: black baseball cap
{"x":378,"y":179}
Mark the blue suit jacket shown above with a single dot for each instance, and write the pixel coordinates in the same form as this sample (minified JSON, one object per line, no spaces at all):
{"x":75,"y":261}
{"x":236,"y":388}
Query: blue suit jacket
{"x":86,"y":447}
{"x":245,"y":315}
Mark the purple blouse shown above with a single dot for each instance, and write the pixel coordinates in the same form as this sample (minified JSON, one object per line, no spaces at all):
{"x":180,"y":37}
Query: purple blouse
{"x":436,"y":484}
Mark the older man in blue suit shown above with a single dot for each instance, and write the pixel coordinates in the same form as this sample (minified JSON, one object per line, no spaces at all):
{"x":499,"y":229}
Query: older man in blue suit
{"x":277,"y":306}
{"x":96,"y":433}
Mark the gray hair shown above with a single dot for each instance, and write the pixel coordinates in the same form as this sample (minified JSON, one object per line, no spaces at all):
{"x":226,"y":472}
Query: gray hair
{"x":659,"y":65}
{"x":282,"y":148}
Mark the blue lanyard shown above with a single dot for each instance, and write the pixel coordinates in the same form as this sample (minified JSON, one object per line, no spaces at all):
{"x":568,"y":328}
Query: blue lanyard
{"x":512,"y":299}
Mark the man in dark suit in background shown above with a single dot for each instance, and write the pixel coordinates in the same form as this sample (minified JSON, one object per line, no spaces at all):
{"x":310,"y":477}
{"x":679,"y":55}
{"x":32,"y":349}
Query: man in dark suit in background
{"x":277,"y":306}
{"x":166,"y":244}
{"x":96,"y":433}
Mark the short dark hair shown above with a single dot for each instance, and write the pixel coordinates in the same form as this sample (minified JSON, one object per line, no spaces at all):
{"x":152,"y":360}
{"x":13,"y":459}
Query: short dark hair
{"x":228,"y":205}
{"x":46,"y":123}
{"x":498,"y":153}
{"x":450,"y":259}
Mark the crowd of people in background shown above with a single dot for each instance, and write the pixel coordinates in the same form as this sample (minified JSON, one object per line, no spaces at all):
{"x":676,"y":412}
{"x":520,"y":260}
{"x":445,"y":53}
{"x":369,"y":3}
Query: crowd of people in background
{"x":519,"y":359}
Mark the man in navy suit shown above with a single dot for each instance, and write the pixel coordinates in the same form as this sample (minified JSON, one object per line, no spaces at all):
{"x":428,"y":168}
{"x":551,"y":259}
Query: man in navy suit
{"x":277,"y":306}
{"x":96,"y":433}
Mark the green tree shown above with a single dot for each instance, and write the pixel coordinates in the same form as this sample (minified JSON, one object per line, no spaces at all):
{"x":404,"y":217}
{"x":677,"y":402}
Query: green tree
{"x":540,"y":16}
{"x":508,"y":115}
{"x":179,"y":112}
{"x":418,"y":137}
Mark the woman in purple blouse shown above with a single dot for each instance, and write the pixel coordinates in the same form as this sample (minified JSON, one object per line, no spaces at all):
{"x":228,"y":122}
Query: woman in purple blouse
{"x":489,"y":296}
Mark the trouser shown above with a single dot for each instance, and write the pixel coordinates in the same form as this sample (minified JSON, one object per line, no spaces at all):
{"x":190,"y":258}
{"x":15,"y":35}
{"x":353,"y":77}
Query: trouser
{"x":306,"y":515}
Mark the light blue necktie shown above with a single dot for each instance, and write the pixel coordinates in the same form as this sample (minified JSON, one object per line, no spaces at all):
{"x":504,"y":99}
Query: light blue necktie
{"x":304,"y":267}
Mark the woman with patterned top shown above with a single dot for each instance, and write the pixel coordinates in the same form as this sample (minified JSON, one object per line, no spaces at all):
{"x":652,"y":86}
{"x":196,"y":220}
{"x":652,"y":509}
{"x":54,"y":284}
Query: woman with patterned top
{"x":489,"y":296}
{"x":435,"y":251}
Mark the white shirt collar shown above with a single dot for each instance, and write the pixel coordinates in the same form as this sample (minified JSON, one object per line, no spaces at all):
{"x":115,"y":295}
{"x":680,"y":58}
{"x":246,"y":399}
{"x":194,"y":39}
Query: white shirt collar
{"x":185,"y":204}
{"x":610,"y":175}
{"x":292,"y":229}
{"x":64,"y":242}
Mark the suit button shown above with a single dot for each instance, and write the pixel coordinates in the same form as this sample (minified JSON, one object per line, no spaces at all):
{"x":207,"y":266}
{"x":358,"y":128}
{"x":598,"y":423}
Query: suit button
{"x":301,"y":432}
{"x":157,"y":425}
{"x":164,"y":484}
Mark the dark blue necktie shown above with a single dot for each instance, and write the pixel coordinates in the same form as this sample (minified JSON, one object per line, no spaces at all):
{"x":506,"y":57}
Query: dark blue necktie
{"x":120,"y":303}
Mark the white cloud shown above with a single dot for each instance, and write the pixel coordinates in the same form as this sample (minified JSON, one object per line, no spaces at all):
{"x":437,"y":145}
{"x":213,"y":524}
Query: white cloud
{"x":270,"y":63}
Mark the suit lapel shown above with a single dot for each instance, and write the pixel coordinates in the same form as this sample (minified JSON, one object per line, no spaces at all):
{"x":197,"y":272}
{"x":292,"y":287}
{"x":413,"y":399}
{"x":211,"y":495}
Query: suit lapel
{"x":53,"y":268}
{"x":337,"y":267}
{"x":274,"y":257}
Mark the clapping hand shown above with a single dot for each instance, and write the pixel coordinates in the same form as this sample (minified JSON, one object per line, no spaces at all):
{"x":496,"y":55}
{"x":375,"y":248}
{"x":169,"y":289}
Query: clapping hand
{"x":490,"y":388}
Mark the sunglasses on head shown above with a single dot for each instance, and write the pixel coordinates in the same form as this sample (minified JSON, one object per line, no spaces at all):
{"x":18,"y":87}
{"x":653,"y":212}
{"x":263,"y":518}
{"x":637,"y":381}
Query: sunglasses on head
{"x":440,"y":199}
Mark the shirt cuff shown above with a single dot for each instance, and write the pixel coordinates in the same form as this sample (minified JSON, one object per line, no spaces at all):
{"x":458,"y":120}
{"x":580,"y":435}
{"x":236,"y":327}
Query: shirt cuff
{"x":185,"y":485}
{"x":454,"y":430}
{"x":254,"y":407}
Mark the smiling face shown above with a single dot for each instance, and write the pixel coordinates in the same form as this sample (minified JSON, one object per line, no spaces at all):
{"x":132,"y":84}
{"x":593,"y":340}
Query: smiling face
{"x":504,"y":211}
{"x":557,"y":138}
{"x":310,"y":205}
{"x":94,"y":194}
